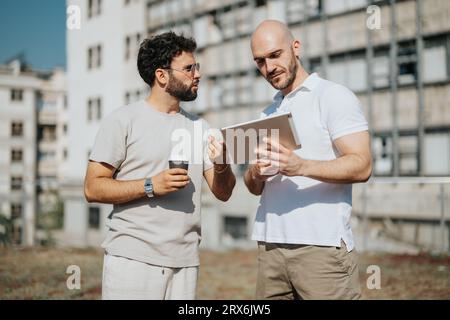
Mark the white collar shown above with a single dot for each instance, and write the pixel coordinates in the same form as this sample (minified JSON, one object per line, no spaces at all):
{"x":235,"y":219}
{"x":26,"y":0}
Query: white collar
{"x":308,"y":85}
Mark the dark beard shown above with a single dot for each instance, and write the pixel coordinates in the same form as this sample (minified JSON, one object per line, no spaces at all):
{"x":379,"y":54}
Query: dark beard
{"x":179,"y":90}
{"x":292,"y":69}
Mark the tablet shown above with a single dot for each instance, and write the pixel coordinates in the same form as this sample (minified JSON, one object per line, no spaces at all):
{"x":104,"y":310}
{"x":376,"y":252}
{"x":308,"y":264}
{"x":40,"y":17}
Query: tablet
{"x":241,"y":139}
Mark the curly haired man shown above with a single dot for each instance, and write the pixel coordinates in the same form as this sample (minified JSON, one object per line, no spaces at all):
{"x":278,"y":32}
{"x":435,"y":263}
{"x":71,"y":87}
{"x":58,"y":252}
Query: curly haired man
{"x":151,"y":247}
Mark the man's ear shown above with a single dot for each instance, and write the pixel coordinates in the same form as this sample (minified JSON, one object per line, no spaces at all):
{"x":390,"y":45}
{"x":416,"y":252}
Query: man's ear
{"x":161,"y":76}
{"x":296,"y":44}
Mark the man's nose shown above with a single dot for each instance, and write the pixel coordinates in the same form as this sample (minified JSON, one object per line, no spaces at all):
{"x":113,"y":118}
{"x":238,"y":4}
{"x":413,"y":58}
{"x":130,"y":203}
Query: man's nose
{"x":270,"y":66}
{"x":197,"y":74}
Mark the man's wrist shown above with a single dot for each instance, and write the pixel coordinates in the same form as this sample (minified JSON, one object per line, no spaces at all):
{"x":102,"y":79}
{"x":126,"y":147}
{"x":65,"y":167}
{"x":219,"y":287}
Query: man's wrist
{"x":302,"y":167}
{"x":149,"y":188}
{"x":252,"y":170}
{"x":221,"y":168}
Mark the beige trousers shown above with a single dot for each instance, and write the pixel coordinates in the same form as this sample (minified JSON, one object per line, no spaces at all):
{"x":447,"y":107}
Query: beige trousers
{"x":287,"y":271}
{"x":125,"y":279}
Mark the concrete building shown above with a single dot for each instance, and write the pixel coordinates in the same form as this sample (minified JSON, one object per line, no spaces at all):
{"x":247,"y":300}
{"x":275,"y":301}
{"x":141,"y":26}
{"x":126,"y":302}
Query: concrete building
{"x":400,"y":70}
{"x":32,"y":110}
{"x":102,"y":76}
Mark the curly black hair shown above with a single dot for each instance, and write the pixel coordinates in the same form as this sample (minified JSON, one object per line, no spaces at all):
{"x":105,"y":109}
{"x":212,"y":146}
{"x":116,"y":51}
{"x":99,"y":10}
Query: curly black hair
{"x":158,"y":52}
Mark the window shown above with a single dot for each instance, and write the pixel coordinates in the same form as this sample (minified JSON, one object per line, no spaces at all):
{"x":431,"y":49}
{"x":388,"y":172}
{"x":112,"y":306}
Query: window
{"x":94,"y":8}
{"x":233,"y":22}
{"x":138,"y":40}
{"x":46,"y":156}
{"x":407,"y":145}
{"x":16,"y":95}
{"x":236,"y":227}
{"x":380,"y":68}
{"x":89,"y":110}
{"x":16,"y":211}
{"x":17,"y":129}
{"x":315,"y":65}
{"x":260,"y":3}
{"x":90,"y":8}
{"x":95,"y":57}
{"x":228,"y":97}
{"x":382,"y":147}
{"x":99,"y":109}
{"x":316,"y":8}
{"x":94,"y":109}
{"x":133,"y":96}
{"x":94,"y":218}
{"x":65,"y":154}
{"x":349,"y":70}
{"x":335,"y":7}
{"x":90,"y":57}
{"x":127,"y":47}
{"x":65,"y":102}
{"x":99,"y":56}
{"x":16,"y":155}
{"x":47,"y":133}
{"x":65,"y":129}
{"x":435,"y":60}
{"x":297,"y":10}
{"x":16,"y":183}
{"x":132,"y":44}
{"x":407,"y":60}
{"x":436,"y":154}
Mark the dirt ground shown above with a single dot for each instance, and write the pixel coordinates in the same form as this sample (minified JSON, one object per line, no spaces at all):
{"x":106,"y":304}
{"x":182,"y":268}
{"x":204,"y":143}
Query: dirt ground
{"x":40,"y":273}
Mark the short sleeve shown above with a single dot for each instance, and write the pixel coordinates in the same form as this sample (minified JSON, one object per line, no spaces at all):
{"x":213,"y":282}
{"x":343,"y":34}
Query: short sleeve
{"x":343,"y":112}
{"x":111,"y":141}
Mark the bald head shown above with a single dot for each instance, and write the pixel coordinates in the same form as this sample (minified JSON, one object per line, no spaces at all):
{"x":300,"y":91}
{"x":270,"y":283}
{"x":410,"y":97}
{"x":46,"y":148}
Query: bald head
{"x":272,"y":31}
{"x":276,"y":53}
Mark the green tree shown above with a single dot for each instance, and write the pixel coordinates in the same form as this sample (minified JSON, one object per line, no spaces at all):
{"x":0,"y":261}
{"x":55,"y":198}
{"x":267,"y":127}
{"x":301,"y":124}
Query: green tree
{"x":50,"y":221}
{"x":5,"y":230}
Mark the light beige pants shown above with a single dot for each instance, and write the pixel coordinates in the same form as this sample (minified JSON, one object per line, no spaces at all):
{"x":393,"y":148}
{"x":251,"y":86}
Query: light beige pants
{"x":287,"y":271}
{"x":125,"y":279}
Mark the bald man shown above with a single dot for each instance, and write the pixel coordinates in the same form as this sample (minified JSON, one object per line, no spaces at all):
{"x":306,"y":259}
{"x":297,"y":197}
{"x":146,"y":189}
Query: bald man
{"x":305,"y":243}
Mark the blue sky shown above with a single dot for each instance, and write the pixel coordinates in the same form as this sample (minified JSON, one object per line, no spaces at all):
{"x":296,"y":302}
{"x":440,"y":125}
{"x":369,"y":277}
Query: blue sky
{"x":35,"y":27}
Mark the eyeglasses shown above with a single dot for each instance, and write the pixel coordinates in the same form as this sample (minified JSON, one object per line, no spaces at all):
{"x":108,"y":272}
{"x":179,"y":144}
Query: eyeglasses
{"x":188,"y":70}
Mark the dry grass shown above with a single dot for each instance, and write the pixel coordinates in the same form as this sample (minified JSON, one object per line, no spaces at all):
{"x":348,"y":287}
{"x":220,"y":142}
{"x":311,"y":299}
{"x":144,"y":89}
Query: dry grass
{"x":40,"y":273}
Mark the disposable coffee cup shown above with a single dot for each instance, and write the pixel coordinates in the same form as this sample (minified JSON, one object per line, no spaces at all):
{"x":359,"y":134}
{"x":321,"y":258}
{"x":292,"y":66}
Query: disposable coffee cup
{"x":179,"y":164}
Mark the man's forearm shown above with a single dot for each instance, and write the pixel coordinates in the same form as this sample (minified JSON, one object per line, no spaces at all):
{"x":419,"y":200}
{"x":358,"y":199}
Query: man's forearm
{"x":110,"y":191}
{"x":255,"y":186}
{"x":223,"y":183}
{"x":350,"y":168}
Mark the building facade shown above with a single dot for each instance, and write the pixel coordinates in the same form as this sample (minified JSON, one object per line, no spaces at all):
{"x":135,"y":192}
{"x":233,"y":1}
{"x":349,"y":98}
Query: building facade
{"x":102,"y":76}
{"x":32,"y":109}
{"x":399,"y":68}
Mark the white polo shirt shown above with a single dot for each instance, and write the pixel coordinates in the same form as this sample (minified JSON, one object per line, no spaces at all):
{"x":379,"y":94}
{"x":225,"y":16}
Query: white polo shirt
{"x":300,"y":210}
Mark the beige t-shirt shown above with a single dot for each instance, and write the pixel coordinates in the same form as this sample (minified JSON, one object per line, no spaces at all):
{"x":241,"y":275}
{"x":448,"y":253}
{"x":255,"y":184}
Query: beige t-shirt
{"x":138,"y":141}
